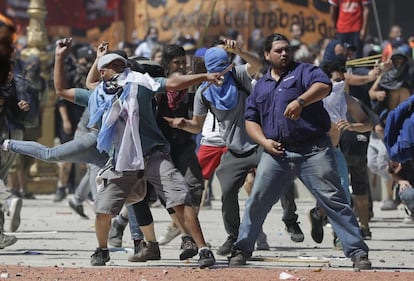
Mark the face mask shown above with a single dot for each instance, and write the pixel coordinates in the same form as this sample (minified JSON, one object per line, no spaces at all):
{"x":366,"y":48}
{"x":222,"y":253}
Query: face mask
{"x":338,"y":87}
{"x":111,"y":86}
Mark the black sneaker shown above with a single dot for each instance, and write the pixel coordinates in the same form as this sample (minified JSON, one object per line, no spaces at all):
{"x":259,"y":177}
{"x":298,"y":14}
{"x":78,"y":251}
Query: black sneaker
{"x":261,"y":242}
{"x":296,"y":234}
{"x":100,"y":257}
{"x":77,"y":208}
{"x":362,"y":262}
{"x":206,"y":258}
{"x":237,"y":258}
{"x":225,"y":249}
{"x":149,"y":251}
{"x":28,"y":195}
{"x":317,"y":223}
{"x":116,"y":233}
{"x":60,"y":194}
{"x":7,"y":240}
{"x":189,"y":248}
{"x":366,"y":233}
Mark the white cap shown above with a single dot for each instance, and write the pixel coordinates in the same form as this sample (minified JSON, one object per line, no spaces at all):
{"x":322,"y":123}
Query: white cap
{"x":108,"y":58}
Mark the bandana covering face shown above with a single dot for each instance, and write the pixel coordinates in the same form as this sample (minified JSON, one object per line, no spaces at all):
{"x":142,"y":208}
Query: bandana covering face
{"x":226,"y":96}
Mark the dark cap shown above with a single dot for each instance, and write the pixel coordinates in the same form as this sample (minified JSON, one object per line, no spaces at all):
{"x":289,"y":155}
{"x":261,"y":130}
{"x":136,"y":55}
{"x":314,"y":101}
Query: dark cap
{"x":349,"y":46}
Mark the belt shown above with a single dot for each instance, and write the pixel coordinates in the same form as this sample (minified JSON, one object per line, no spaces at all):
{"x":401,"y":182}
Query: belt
{"x":308,"y":145}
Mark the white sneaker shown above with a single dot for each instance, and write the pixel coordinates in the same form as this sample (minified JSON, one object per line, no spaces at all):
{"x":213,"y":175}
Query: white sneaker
{"x":14,"y":213}
{"x":170,"y":233}
{"x":408,"y":220}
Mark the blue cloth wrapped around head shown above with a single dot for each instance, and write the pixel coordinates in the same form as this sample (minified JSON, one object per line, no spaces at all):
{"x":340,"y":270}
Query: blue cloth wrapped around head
{"x":222,"y":97}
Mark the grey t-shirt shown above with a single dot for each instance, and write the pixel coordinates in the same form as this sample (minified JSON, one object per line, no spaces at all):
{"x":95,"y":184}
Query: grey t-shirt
{"x":232,"y":122}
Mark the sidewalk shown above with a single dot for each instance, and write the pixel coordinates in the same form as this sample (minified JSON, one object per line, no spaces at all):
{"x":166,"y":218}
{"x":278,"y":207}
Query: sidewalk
{"x":51,"y":234}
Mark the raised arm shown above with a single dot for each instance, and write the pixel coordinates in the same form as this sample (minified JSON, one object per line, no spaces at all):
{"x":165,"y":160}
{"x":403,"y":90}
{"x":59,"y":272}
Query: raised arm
{"x":92,"y":80}
{"x":59,"y":81}
{"x":254,"y":63}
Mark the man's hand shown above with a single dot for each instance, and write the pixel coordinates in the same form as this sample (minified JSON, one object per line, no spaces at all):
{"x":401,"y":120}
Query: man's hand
{"x":273,"y":147}
{"x":23,"y":105}
{"x":177,"y":123}
{"x":231,"y":46}
{"x":293,"y":110}
{"x":102,"y":49}
{"x":215,"y":78}
{"x":344,"y":125}
{"x":404,"y":184}
{"x":62,"y":46}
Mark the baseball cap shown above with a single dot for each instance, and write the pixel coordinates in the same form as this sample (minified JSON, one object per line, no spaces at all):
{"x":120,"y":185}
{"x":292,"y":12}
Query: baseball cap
{"x":349,"y":46}
{"x":108,"y":58}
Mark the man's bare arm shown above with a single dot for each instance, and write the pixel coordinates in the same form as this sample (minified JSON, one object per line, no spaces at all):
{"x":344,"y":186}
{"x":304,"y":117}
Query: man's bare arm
{"x":59,"y":81}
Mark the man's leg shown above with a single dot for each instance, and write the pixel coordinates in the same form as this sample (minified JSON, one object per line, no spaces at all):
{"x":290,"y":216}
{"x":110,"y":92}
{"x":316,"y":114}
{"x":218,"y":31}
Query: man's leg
{"x":264,"y":195}
{"x":231,"y":174}
{"x":319,"y":175}
{"x":171,"y":187}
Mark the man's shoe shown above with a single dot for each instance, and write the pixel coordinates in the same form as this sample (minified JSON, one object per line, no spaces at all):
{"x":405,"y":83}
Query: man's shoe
{"x":7,"y":240}
{"x":149,"y":251}
{"x":116,"y":233}
{"x":170,"y":233}
{"x":189,"y":248}
{"x":337,"y":242}
{"x":361,"y":262}
{"x":237,"y":258}
{"x":100,"y":257}
{"x":225,"y":249}
{"x":316,"y":225}
{"x":27,"y":195}
{"x":408,"y":220}
{"x":389,"y":205}
{"x":296,"y":234}
{"x":366,"y":233}
{"x":14,"y":213}
{"x":206,"y":258}
{"x":16,"y":192}
{"x":77,"y":208}
{"x":261,"y":242}
{"x":59,"y":195}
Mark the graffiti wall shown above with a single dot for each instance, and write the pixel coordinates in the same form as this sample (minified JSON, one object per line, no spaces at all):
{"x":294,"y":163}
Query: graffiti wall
{"x":213,"y":18}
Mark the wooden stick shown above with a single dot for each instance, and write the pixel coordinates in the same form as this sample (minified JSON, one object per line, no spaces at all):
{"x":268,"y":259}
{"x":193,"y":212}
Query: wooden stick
{"x":366,"y":58}
{"x":227,"y":69}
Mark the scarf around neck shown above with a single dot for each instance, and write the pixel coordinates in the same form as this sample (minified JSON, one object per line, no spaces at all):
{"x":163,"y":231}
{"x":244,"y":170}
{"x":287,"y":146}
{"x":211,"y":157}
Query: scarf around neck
{"x":222,"y":97}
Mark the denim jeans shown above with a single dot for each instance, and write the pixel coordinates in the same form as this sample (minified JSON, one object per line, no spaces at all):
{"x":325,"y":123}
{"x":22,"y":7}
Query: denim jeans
{"x":343,"y":173}
{"x":407,"y":197}
{"x":318,"y":171}
{"x":231,"y":174}
{"x":81,"y":149}
{"x":87,"y":184}
{"x":136,"y":233}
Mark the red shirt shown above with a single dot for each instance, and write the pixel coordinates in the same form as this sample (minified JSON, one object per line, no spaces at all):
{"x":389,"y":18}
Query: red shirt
{"x":350,"y":14}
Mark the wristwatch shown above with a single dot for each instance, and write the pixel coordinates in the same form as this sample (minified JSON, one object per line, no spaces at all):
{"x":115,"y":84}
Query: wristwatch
{"x":301,"y":102}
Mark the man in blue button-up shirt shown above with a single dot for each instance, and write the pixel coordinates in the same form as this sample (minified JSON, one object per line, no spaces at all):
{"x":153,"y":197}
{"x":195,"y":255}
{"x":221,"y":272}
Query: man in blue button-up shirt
{"x":285,"y":114}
